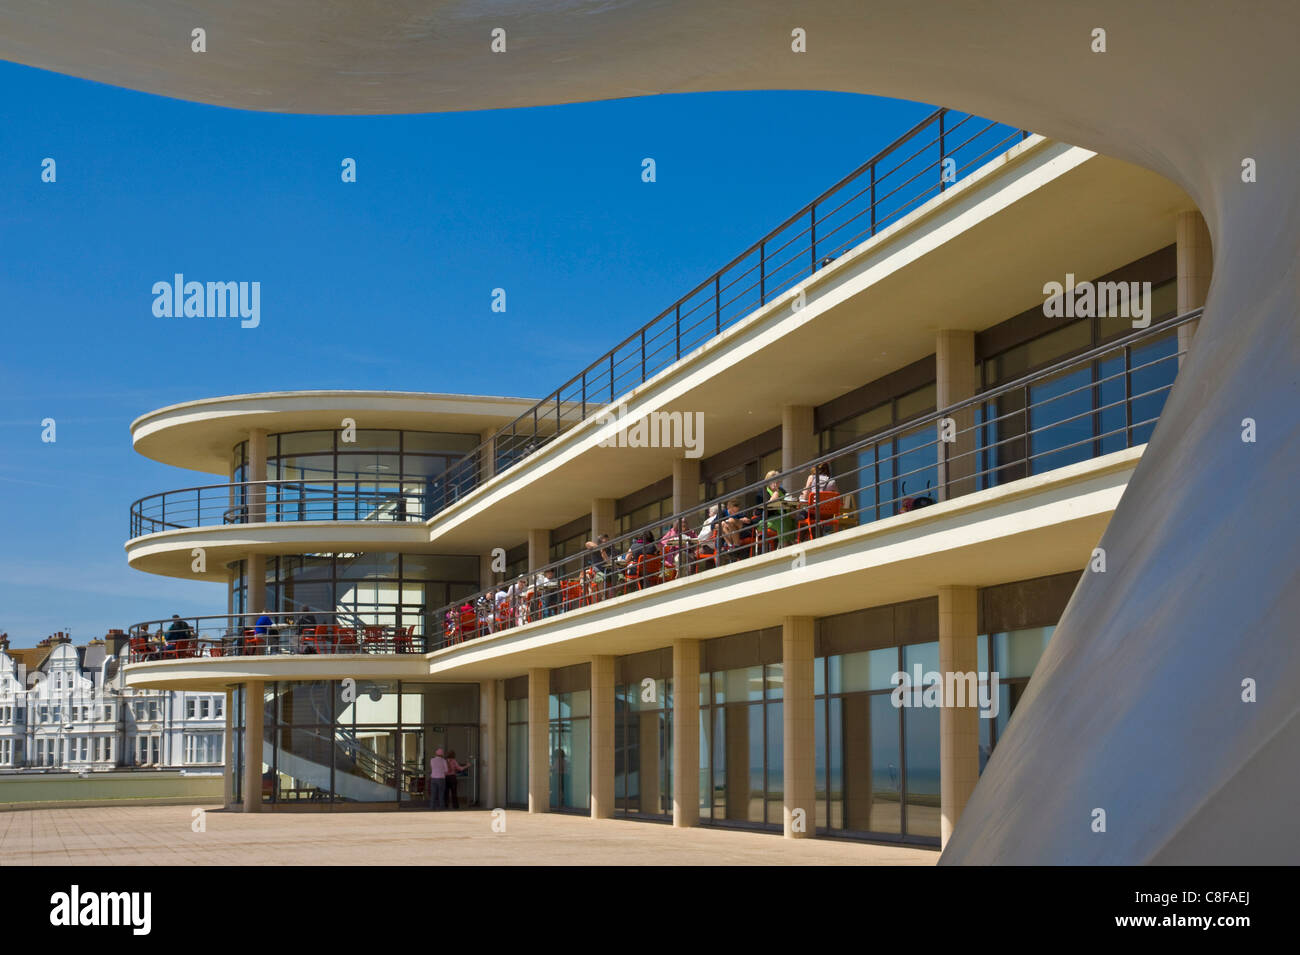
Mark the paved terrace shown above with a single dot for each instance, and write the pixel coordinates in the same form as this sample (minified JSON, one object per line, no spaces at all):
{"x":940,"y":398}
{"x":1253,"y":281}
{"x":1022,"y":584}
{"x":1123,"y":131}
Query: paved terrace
{"x":161,"y":835}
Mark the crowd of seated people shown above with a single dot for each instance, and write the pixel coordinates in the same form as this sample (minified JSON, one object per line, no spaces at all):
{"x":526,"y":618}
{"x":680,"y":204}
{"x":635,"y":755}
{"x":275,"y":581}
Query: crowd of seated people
{"x":731,"y":531}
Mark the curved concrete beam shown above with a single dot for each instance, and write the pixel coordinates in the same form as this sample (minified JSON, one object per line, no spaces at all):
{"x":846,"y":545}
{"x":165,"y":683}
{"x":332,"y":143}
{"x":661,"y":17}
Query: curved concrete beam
{"x":1136,"y":706}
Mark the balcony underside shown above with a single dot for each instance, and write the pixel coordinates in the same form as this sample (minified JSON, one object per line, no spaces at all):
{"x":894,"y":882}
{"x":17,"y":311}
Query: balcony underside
{"x":171,"y":553}
{"x":217,"y":673}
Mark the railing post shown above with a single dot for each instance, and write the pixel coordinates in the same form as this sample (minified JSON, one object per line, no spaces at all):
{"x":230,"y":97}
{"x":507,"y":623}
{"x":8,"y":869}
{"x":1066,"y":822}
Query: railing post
{"x":717,"y":303}
{"x":942,"y":114}
{"x":873,"y":198}
{"x":584,"y":394}
{"x":611,"y":376}
{"x":642,"y":353}
{"x":678,"y":334}
{"x":812,"y":231}
{"x":762,"y":273}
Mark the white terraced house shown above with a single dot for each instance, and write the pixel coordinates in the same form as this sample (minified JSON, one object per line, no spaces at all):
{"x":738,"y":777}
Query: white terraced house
{"x":909,"y":451}
{"x":67,"y":708}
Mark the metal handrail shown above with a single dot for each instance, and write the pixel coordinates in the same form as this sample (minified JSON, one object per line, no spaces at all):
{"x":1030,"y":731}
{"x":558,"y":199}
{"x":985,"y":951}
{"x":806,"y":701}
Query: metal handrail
{"x":285,"y":500}
{"x":599,"y":383}
{"x":240,"y":634}
{"x":586,"y":578}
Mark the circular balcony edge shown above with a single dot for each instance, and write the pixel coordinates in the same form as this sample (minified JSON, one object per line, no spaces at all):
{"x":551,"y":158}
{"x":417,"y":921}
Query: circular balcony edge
{"x":199,"y":434}
{"x":217,"y":673}
{"x":170,"y":553}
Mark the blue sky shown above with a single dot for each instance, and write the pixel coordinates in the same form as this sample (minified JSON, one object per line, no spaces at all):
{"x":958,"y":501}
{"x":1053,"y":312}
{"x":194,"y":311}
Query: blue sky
{"x":384,"y":283}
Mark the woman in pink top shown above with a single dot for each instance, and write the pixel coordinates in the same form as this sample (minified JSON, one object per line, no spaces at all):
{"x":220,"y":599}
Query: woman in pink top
{"x":454,"y":768}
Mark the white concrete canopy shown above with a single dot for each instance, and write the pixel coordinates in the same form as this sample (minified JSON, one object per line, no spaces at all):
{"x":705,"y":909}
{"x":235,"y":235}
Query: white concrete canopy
{"x":1136,"y":705}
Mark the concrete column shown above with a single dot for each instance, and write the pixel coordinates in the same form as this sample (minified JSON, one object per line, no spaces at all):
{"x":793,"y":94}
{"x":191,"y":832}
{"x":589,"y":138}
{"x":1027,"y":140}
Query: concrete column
{"x":488,"y":465}
{"x":499,"y":744}
{"x":488,"y":753}
{"x":602,"y":517}
{"x":1195,"y":268}
{"x":539,"y":548}
{"x":256,"y":472}
{"x":959,"y":730}
{"x":229,"y":761}
{"x":799,"y":716}
{"x":602,"y":737}
{"x":955,"y":380}
{"x":253,"y":710}
{"x":798,"y":441}
{"x":686,"y":733}
{"x":256,"y":592}
{"x":686,"y":483}
{"x":539,"y":748}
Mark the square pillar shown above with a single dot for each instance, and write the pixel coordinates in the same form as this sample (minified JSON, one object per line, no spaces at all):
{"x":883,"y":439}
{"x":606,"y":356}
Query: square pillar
{"x":602,"y":517}
{"x":799,"y":718}
{"x":686,"y":483}
{"x":955,"y":380}
{"x":256,"y":497}
{"x":490,"y":754}
{"x":602,"y":737}
{"x":1195,"y":268}
{"x":486,"y":578}
{"x":686,"y":733}
{"x":959,"y":729}
{"x":539,"y":743}
{"x":254,"y":708}
{"x":539,"y":548}
{"x":798,"y":441}
{"x":255,"y":594}
{"x":228,"y":768}
{"x":488,"y":459}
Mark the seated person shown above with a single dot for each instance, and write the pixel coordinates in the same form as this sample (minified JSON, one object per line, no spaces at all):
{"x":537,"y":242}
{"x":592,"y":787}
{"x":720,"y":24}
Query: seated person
{"x":643,"y":546}
{"x":737,"y":525}
{"x":708,"y":536}
{"x":820,"y":484}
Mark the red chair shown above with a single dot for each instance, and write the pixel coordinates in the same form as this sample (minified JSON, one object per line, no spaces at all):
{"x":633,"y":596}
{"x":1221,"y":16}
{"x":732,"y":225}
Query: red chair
{"x":317,"y":638}
{"x":139,"y":647}
{"x":402,"y":640}
{"x":252,"y":643}
{"x":820,"y":518}
{"x":346,"y":639}
{"x":570,"y":595}
{"x":373,"y":639}
{"x":649,"y":571}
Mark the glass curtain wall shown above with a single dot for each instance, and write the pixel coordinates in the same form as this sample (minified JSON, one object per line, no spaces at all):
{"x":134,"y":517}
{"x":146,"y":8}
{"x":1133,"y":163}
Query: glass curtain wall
{"x":517,"y":753}
{"x":743,"y":752}
{"x":1105,"y":406}
{"x":877,"y":478}
{"x":396,"y":590}
{"x":1012,"y":655}
{"x":387,"y":475}
{"x":643,"y":759}
{"x":332,"y":743}
{"x":877,"y":763}
{"x":570,"y":750}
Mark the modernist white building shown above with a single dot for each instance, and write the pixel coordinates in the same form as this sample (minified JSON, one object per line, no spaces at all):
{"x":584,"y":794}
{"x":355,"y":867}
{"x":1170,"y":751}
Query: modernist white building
{"x":421,"y":558}
{"x":72,"y":710}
